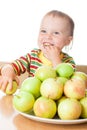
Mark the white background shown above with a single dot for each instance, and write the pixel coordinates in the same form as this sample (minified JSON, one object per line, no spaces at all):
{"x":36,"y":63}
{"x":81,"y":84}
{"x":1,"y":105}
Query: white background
{"x":20,"y":22}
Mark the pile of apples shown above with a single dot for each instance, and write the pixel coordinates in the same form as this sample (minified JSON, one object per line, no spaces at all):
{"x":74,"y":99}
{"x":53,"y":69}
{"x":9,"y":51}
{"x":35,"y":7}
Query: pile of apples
{"x":53,"y":92}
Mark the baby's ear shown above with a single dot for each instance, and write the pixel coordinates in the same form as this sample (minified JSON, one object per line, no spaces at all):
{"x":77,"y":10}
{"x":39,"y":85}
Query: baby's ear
{"x":69,"y":39}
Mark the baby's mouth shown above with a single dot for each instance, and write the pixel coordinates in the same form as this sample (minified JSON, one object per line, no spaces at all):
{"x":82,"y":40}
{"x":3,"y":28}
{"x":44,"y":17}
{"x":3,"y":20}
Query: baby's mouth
{"x":47,"y":44}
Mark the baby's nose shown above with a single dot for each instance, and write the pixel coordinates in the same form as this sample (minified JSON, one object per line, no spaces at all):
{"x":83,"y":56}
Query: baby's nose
{"x":49,"y":35}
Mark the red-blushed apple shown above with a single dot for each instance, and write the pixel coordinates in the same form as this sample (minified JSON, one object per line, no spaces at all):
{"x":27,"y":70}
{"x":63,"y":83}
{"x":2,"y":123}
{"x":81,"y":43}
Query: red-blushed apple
{"x":31,"y":84}
{"x":45,"y":72}
{"x":69,"y":109}
{"x":13,"y":90}
{"x":52,"y":88}
{"x":80,"y":75}
{"x":75,"y":88}
{"x":44,"y":107}
{"x":23,"y":101}
{"x":83,"y":102}
{"x":65,"y":70}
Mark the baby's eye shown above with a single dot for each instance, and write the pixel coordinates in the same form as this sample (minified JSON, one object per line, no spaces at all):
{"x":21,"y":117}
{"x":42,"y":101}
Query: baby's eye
{"x":43,"y":31}
{"x":56,"y":33}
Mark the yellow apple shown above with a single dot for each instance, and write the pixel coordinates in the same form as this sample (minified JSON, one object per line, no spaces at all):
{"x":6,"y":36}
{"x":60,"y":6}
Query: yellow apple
{"x":52,"y":88}
{"x":83,"y":102}
{"x":69,"y":109}
{"x":13,"y":90}
{"x":61,"y":99}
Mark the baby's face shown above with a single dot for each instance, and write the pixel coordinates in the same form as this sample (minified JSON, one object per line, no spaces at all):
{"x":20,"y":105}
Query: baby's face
{"x":53,"y":32}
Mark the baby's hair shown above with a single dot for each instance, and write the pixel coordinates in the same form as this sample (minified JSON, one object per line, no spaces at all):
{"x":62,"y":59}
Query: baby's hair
{"x":70,"y":22}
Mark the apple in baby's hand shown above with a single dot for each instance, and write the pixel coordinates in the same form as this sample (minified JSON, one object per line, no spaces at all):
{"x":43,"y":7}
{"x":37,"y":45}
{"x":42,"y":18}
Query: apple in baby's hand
{"x":44,"y":107}
{"x":83,"y":102}
{"x":23,"y":101}
{"x":75,"y":88}
{"x":52,"y":88}
{"x":65,"y":70}
{"x":31,"y":84}
{"x":45,"y":72}
{"x":86,"y":93}
{"x":13,"y":90}
{"x":69,"y":109}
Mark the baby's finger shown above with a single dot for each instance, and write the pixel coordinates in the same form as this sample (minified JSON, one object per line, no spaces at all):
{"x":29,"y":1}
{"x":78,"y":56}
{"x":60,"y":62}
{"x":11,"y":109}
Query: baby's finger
{"x":0,"y":82}
{"x":17,"y":80}
{"x":3,"y":86}
{"x":10,"y":82}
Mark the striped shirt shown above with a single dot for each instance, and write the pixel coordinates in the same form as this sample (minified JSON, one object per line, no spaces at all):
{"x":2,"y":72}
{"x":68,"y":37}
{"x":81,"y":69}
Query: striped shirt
{"x":31,"y":61}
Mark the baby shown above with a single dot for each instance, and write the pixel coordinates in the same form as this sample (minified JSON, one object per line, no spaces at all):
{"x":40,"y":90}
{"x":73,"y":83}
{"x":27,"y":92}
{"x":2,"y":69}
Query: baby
{"x":56,"y":32}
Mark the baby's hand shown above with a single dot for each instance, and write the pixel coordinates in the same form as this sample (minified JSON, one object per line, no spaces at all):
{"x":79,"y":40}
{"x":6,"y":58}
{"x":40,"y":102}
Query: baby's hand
{"x":7,"y":76}
{"x":4,"y":81}
{"x":53,"y":54}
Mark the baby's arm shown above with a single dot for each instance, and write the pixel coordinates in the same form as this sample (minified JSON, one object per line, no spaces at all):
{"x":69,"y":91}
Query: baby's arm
{"x":9,"y":72}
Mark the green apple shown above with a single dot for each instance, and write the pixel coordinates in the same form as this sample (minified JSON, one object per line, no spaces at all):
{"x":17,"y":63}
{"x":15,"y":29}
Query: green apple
{"x":44,"y":107}
{"x":74,"y":88}
{"x":31,"y":84}
{"x":52,"y":88}
{"x":23,"y":101}
{"x":13,"y":90}
{"x":62,"y":79}
{"x":45,"y":72}
{"x":69,"y":109}
{"x":83,"y":102}
{"x":65,"y":70}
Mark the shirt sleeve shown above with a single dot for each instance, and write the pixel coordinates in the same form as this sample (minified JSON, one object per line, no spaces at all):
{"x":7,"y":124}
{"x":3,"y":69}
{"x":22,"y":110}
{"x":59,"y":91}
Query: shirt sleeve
{"x":69,"y":59}
{"x":22,"y":64}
